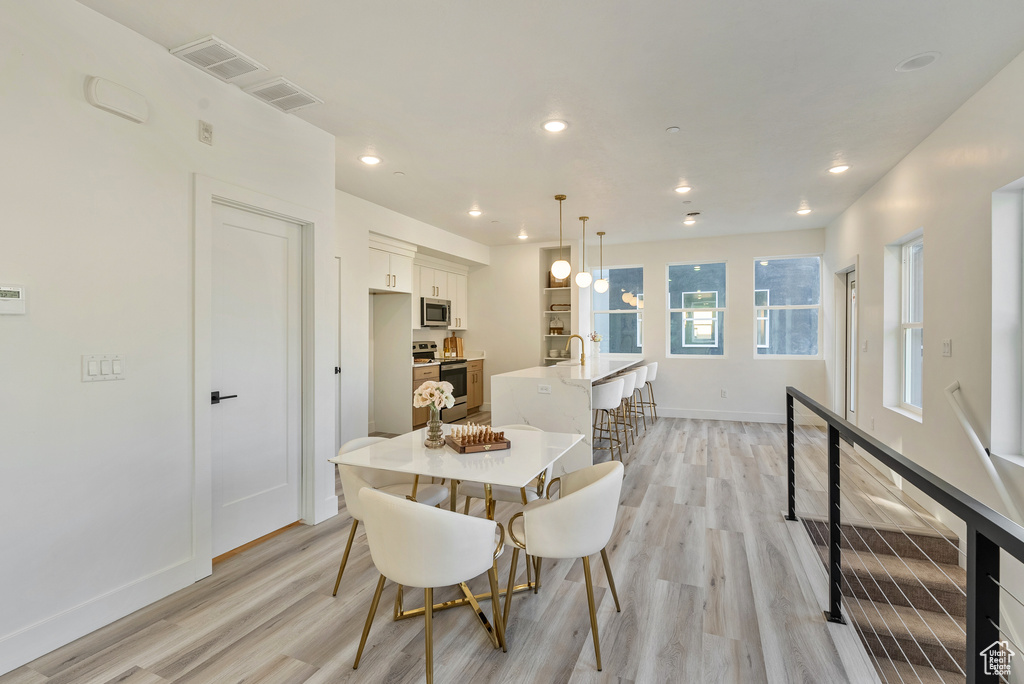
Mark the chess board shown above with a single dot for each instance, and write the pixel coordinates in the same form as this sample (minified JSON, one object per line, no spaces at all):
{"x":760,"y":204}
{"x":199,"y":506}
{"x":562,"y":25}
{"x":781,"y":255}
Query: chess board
{"x":496,"y":445}
{"x":476,"y":438}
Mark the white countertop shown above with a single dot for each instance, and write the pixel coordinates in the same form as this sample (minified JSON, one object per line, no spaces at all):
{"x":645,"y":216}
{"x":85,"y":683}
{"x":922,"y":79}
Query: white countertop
{"x":607,"y":365}
{"x":531,"y":452}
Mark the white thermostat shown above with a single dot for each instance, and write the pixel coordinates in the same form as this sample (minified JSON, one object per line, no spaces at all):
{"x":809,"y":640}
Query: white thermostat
{"x":12,"y":299}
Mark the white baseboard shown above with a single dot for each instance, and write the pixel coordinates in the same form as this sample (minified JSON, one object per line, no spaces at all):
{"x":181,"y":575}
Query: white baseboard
{"x":486,"y":406}
{"x":33,"y":641}
{"x":371,"y":427}
{"x":741,"y":416}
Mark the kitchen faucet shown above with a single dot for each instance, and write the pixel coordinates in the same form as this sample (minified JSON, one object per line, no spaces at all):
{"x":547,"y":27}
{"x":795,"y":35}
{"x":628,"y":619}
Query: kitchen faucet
{"x":583,"y":356}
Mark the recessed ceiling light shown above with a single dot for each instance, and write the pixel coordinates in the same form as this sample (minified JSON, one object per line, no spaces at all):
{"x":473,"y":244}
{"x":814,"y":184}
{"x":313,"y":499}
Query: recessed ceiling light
{"x":689,"y":221}
{"x":672,"y":129}
{"x":803,"y":210}
{"x":839,"y":168}
{"x":555,"y":126}
{"x":369,"y":159}
{"x":683,"y":189}
{"x":918,"y":61}
{"x":523,"y":236}
{"x":399,"y":173}
{"x":475,"y":212}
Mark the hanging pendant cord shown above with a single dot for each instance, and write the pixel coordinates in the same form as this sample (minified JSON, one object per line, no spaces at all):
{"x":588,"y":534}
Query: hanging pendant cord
{"x":560,"y":230}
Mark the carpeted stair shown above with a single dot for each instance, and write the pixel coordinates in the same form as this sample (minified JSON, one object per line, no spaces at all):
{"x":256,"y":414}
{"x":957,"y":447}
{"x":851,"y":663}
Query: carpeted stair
{"x":905,"y":593}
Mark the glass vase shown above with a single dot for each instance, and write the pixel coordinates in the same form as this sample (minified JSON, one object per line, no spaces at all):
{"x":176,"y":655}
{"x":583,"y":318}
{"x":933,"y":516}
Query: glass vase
{"x":435,"y":435}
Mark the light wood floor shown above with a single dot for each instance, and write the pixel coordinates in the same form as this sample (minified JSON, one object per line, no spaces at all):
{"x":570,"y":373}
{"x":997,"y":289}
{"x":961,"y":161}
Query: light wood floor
{"x":714,"y":585}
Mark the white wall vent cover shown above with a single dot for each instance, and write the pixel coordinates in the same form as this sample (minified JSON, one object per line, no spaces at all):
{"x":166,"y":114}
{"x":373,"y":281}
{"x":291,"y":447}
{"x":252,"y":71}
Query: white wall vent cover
{"x":284,"y":95}
{"x":214,"y":56}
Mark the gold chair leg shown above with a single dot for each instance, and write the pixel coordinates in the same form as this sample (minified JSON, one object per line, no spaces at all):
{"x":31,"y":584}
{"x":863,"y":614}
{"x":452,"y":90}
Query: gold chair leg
{"x":399,"y":600}
{"x":650,"y":395}
{"x":593,"y":611}
{"x":465,"y":510}
{"x":492,"y":576}
{"x":369,"y":621}
{"x":640,"y":403}
{"x":511,"y":585}
{"x":611,"y":580}
{"x":529,"y":570}
{"x":428,"y":618}
{"x":536,"y":584}
{"x":344,"y":558}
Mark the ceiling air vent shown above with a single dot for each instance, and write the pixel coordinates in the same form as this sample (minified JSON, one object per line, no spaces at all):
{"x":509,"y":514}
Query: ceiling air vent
{"x":214,"y":56}
{"x":283,"y":94}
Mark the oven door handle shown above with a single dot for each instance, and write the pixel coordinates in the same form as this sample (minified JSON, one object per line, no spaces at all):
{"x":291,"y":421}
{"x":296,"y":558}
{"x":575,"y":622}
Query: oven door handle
{"x":454,"y":367}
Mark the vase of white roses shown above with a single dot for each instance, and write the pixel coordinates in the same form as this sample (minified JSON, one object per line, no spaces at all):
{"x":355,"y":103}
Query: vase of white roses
{"x":435,"y":396}
{"x":595,"y":347}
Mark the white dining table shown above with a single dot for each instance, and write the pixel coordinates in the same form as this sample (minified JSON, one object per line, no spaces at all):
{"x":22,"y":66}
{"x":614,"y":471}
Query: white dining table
{"x":529,"y":454}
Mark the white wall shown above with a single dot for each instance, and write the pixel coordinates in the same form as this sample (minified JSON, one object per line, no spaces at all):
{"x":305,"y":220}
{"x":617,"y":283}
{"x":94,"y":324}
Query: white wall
{"x":944,"y":186}
{"x":505,"y":304}
{"x":97,"y":478}
{"x":691,"y":386}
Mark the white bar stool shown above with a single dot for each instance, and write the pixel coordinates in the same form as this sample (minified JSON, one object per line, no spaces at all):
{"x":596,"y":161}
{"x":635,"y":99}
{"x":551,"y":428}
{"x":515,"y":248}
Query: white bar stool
{"x":624,"y":417}
{"x":605,"y":398}
{"x":652,"y":374}
{"x":638,"y":406}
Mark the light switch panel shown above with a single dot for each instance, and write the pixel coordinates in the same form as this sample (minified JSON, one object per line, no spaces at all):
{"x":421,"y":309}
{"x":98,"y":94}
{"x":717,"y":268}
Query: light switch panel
{"x":101,"y":367}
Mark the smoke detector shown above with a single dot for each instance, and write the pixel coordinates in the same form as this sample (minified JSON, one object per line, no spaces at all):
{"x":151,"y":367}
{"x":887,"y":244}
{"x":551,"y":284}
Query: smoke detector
{"x":283,"y":94}
{"x":214,"y":56}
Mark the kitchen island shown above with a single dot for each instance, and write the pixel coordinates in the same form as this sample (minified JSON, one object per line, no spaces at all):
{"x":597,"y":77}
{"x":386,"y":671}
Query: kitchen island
{"x":556,"y":398}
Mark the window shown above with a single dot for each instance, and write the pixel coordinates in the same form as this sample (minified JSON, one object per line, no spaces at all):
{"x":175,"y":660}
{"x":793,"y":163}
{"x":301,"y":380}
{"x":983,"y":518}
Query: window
{"x":912,"y":325}
{"x":696,"y":309}
{"x":619,"y":312}
{"x":787,"y":306}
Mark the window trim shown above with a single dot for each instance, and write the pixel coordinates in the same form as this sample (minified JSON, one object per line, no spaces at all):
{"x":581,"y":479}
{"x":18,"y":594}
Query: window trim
{"x":719,"y":311}
{"x":758,"y":318}
{"x":905,"y":326}
{"x":791,"y":307}
{"x":598,"y":273}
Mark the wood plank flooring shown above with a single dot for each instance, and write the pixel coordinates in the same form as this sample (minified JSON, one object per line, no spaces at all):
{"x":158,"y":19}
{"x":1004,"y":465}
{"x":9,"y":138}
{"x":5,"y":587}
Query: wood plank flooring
{"x":714,"y":586}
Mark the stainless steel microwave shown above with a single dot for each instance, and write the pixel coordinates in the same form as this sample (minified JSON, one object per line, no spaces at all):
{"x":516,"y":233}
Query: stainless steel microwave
{"x":435,"y":313}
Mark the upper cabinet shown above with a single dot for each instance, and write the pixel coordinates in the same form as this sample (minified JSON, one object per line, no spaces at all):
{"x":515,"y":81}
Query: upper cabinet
{"x":458,"y":293}
{"x":390,"y":272}
{"x":433,"y":283}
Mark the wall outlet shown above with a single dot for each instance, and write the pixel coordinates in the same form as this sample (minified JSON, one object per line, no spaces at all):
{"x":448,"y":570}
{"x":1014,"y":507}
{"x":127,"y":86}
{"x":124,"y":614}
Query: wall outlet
{"x":543,"y":389}
{"x":205,"y":132}
{"x":947,"y":347}
{"x":725,"y":395}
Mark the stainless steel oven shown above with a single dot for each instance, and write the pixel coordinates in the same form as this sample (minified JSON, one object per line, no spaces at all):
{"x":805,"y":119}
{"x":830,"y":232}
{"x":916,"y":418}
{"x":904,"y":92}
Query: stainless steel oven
{"x":435,"y":313}
{"x":455,"y":373}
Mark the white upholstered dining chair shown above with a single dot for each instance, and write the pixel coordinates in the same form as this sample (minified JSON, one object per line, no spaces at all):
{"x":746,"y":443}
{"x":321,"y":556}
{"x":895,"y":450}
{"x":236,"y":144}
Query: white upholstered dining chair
{"x":417,"y":546}
{"x":355,"y":478}
{"x":577,"y":524}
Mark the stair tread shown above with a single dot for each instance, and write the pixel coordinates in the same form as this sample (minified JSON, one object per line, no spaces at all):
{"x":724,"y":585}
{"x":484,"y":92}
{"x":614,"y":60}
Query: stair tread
{"x":897,"y":671}
{"x":927,"y":627}
{"x":938,"y":531}
{"x":943,"y":577}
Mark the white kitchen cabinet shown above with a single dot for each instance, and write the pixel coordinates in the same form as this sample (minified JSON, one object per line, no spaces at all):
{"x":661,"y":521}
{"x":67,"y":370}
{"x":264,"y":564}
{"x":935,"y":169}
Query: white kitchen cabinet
{"x":433,"y":283}
{"x":389,"y":272}
{"x":458,"y":293}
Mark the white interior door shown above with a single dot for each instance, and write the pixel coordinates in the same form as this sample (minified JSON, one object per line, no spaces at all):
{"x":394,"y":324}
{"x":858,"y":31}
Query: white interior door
{"x":851,"y":347}
{"x":256,"y":435}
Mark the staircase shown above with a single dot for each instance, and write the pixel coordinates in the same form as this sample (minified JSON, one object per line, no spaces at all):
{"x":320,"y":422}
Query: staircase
{"x":904,"y":591}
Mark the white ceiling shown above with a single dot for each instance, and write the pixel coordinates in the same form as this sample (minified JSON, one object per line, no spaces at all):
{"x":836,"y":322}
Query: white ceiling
{"x":767,"y":96}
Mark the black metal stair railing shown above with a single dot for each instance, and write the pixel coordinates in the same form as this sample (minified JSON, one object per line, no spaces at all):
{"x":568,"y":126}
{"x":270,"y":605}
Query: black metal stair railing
{"x":988,"y":532}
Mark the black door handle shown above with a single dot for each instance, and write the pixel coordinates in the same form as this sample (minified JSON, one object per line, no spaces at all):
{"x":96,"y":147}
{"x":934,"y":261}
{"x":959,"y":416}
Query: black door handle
{"x":215,"y":397}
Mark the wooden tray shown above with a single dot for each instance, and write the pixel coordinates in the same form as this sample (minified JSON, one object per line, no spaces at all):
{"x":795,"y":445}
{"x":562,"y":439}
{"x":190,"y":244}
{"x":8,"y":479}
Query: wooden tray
{"x":475,"y":448}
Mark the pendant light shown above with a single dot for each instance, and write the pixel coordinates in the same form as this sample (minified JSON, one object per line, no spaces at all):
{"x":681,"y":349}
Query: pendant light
{"x":601,"y":284}
{"x":583,"y":278}
{"x":561,"y":268}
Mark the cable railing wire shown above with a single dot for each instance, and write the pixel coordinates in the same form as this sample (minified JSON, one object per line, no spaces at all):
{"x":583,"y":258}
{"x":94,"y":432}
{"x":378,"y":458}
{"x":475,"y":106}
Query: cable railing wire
{"x":867,"y":596}
{"x":1003,"y":587}
{"x":909,"y":602}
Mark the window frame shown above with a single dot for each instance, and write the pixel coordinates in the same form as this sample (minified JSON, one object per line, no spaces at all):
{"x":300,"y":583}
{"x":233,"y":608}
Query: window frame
{"x":788,"y":307}
{"x":906,"y":282}
{"x":598,"y":273}
{"x":718,"y":311}
{"x":758,"y":308}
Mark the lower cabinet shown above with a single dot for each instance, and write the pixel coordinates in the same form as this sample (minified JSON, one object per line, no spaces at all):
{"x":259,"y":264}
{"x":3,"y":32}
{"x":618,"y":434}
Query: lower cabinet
{"x":474,"y":385}
{"x":420,"y":416}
